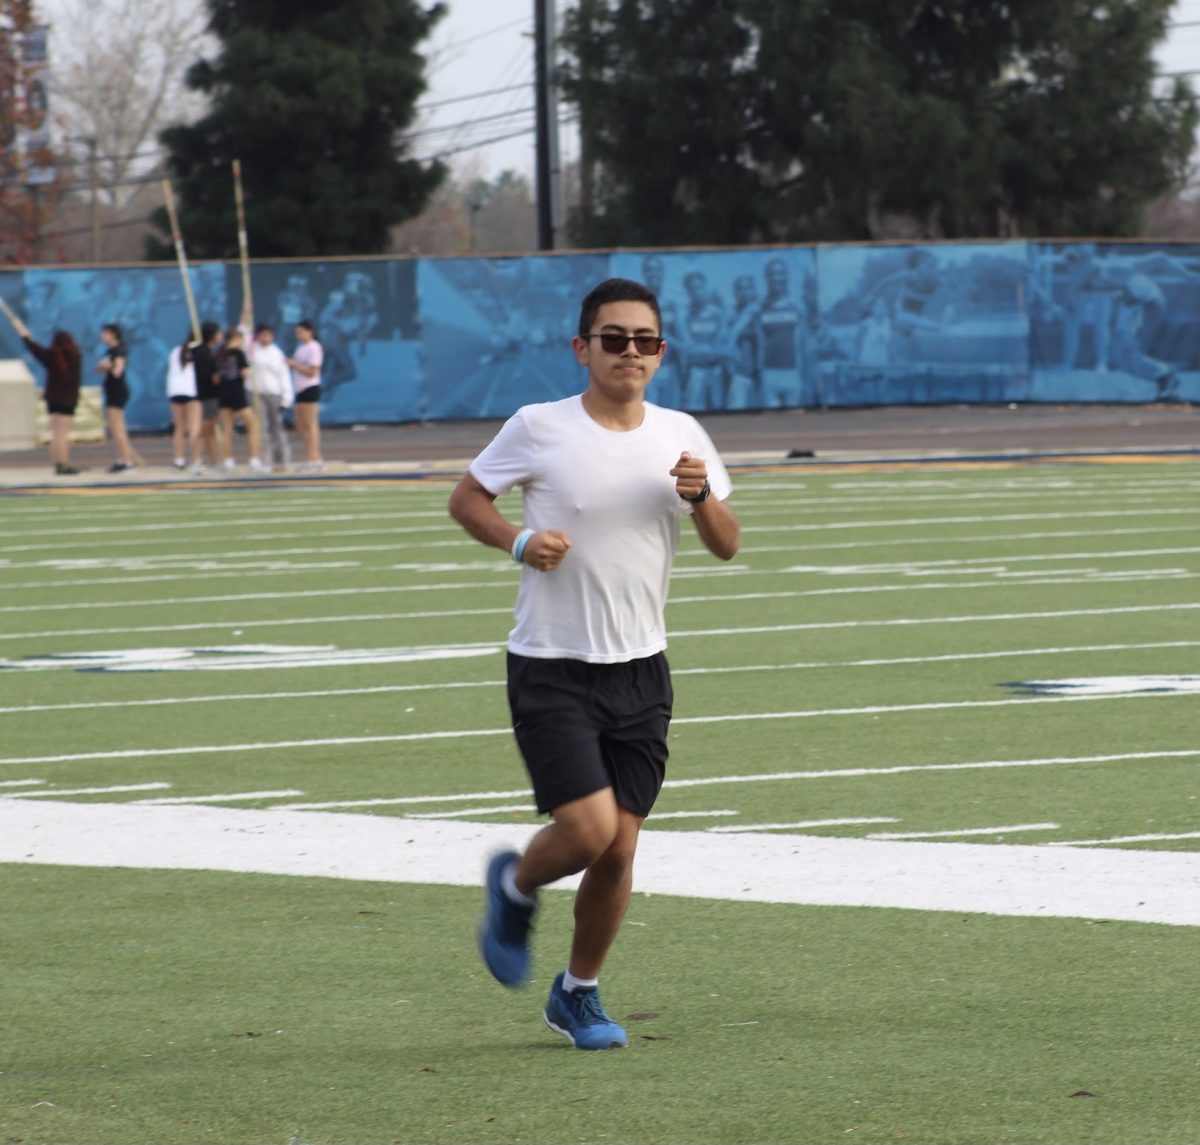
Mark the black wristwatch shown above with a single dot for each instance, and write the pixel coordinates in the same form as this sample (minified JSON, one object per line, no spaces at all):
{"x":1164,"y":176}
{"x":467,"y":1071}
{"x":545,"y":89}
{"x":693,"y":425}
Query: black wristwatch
{"x":701,"y":496}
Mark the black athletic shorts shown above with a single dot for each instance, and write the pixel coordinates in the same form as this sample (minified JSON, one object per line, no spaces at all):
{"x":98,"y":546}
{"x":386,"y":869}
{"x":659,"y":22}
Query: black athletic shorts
{"x":584,"y":727}
{"x":54,"y":407}
{"x":116,"y":392}
{"x":181,"y":399}
{"x":312,"y":394}
{"x":233,"y":396}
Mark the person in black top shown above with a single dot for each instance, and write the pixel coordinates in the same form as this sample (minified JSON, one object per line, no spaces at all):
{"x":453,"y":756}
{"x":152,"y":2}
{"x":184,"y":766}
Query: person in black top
{"x":204,"y":359}
{"x":116,"y":394}
{"x":63,"y":363}
{"x":233,"y":367}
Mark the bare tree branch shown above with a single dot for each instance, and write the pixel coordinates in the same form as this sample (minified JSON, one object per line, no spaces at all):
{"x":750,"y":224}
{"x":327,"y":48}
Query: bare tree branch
{"x":119,"y":68}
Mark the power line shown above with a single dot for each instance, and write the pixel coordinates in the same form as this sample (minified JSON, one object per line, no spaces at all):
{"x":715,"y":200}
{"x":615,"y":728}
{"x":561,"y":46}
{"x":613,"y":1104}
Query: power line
{"x":473,"y":95}
{"x":466,"y":123}
{"x":564,"y":122}
{"x":490,"y":32}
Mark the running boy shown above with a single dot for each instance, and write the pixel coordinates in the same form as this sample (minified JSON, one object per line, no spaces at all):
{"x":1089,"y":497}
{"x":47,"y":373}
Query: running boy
{"x":606,"y":477}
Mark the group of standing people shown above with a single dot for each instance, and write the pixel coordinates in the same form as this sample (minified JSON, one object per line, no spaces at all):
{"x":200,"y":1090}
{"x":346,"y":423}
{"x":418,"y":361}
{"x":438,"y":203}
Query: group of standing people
{"x":232,"y":377}
{"x":223,"y":379}
{"x":63,"y":362}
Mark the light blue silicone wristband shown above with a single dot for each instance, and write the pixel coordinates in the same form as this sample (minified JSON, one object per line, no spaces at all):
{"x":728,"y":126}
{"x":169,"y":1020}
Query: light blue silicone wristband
{"x":518,"y":546}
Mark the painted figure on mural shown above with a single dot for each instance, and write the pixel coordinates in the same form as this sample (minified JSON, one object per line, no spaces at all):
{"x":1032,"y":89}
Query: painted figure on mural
{"x":360,"y":307}
{"x":666,"y":388}
{"x":741,"y":340}
{"x":1137,"y":297}
{"x":876,"y":335}
{"x":1088,"y":294}
{"x":703,"y":319}
{"x":782,"y":328}
{"x":294,"y":303}
{"x":911,"y":294}
{"x":337,"y":326}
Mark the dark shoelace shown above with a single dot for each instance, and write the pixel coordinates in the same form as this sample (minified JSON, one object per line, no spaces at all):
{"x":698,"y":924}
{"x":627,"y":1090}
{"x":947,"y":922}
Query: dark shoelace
{"x":588,"y":1008}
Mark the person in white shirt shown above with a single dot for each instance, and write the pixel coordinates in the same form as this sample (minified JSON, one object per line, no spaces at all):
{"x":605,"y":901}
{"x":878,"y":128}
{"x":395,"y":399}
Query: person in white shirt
{"x":271,"y":380}
{"x":185,"y":406}
{"x":607,"y":478}
{"x":306,"y":382}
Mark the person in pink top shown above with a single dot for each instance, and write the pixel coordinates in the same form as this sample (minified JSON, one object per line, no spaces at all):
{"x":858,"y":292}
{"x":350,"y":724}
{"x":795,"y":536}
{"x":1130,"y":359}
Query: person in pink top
{"x":306,"y":381}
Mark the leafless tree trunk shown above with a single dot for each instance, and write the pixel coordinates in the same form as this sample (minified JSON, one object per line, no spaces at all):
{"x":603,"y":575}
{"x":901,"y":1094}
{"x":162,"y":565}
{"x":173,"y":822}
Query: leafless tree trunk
{"x":118,"y":68}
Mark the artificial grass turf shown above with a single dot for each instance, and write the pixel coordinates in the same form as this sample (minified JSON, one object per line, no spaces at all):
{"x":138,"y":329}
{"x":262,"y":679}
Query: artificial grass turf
{"x":188,"y":1006}
{"x":940,"y":1027}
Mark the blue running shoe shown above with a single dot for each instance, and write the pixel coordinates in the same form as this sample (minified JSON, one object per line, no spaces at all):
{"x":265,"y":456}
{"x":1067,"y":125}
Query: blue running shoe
{"x":504,"y":930}
{"x":580,"y":1016}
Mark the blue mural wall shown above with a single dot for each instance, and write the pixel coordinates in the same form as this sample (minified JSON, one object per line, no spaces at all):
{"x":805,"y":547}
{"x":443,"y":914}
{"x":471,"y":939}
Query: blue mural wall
{"x":747,"y":329}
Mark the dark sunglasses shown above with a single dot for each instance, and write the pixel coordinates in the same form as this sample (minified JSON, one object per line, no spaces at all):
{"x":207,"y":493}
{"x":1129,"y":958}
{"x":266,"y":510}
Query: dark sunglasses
{"x":613,"y":343}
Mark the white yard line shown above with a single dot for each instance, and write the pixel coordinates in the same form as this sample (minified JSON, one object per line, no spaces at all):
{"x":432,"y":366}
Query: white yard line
{"x":352,"y":618}
{"x":910,"y":569}
{"x":317,"y":693}
{"x":1125,"y":839}
{"x":971,"y":519}
{"x":917,"y":621}
{"x":208,"y":513}
{"x":776,"y":777}
{"x":657,"y":817}
{"x":22,"y":782}
{"x":408,"y":800}
{"x":230,"y":797}
{"x":388,"y":689}
{"x":116,"y":539}
{"x":965,"y":831}
{"x":238,"y":748}
{"x":472,"y":733}
{"x":892,"y":709}
{"x":721,"y":813}
{"x":749,"y":511}
{"x":801,"y":824}
{"x":174,"y":577}
{"x":57,"y":791}
{"x":911,"y":768}
{"x":472,"y":812}
{"x":1029,"y":881}
{"x":191,"y":524}
{"x":468,"y":733}
{"x":967,"y":562}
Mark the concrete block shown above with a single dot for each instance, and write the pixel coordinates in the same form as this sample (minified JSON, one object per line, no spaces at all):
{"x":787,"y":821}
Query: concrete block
{"x":18,"y":405}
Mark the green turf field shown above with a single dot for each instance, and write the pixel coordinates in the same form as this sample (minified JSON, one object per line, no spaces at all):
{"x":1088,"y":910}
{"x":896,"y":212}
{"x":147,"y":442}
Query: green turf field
{"x":942,"y":666}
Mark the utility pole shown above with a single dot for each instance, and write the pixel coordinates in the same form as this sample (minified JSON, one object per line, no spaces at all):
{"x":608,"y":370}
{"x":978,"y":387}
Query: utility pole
{"x":549,"y":189}
{"x":94,"y":182}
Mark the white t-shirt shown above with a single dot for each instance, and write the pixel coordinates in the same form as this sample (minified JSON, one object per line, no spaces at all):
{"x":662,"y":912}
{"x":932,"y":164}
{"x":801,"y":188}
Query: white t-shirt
{"x":613,"y":494}
{"x":181,"y":379}
{"x":269,"y":373}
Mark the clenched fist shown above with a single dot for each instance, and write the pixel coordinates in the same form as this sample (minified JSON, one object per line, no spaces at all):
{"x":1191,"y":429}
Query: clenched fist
{"x":690,"y":474}
{"x":544,"y":551}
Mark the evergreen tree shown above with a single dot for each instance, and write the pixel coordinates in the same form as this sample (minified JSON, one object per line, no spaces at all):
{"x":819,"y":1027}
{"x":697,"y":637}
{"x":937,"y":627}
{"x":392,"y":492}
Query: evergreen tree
{"x":724,"y":121}
{"x":312,"y":96}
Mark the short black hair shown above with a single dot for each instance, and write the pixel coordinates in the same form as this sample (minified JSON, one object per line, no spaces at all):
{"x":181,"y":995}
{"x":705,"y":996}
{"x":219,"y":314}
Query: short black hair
{"x":113,"y":329}
{"x":209,"y":330}
{"x":616,"y":290}
{"x":264,"y":328}
{"x":306,"y":324}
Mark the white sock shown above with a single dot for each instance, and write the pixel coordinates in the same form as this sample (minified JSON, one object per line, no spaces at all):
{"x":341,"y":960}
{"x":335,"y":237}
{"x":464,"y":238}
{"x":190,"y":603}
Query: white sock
{"x":570,"y":982}
{"x":509,"y":883}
